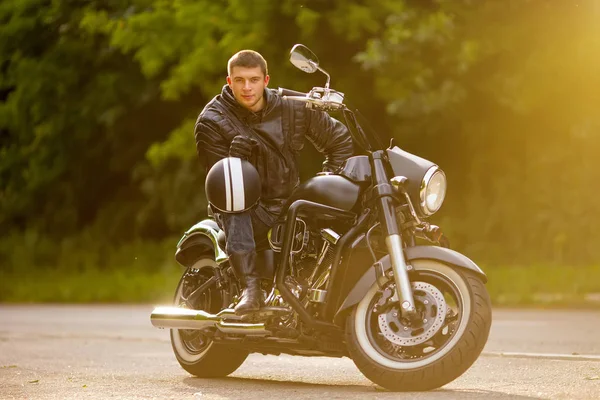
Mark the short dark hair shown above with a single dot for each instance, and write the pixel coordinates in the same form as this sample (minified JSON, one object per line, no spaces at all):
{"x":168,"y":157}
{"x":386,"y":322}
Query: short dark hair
{"x":247,"y":59}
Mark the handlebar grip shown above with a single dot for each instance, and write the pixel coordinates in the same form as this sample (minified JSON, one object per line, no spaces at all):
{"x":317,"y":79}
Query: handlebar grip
{"x":289,"y":92}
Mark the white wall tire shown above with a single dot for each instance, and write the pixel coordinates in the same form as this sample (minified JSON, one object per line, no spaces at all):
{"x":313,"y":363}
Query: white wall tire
{"x":444,"y":364}
{"x":211,"y":360}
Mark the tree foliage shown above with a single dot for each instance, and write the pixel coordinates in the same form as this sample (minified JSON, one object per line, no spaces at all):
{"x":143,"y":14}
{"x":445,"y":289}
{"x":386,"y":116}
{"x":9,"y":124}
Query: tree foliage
{"x":510,"y":88}
{"x":98,"y":101}
{"x":65,"y":117}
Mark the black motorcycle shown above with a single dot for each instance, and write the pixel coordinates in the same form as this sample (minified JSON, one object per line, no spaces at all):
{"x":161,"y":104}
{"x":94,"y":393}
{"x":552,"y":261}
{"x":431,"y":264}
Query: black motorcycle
{"x":353,"y":269}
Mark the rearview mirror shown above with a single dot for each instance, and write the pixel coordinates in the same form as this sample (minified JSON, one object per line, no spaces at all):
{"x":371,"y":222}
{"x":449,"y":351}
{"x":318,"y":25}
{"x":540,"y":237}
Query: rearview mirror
{"x":304,"y":59}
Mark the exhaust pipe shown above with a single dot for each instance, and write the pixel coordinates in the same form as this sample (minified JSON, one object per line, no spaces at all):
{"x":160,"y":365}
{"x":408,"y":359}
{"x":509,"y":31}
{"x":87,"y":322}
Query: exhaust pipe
{"x":183,"y":318}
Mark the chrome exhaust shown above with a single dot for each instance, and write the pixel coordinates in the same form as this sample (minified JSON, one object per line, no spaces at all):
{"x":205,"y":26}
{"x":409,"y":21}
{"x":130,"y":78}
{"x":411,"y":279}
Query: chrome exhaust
{"x":183,"y":318}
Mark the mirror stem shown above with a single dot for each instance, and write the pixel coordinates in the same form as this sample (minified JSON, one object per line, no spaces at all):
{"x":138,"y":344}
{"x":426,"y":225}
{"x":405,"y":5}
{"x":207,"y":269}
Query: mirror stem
{"x":315,"y":65}
{"x":328,"y":77}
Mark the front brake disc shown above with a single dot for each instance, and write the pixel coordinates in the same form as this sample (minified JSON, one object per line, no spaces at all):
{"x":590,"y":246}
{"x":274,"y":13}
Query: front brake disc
{"x":432,"y":311}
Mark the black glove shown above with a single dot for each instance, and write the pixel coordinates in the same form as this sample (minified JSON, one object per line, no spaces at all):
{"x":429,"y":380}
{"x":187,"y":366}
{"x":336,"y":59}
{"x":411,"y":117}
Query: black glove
{"x":242,"y":146}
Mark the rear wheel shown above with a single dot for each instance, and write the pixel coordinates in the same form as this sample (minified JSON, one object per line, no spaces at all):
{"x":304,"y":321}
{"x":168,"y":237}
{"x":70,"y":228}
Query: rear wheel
{"x":402,"y":355}
{"x":195,"y":352}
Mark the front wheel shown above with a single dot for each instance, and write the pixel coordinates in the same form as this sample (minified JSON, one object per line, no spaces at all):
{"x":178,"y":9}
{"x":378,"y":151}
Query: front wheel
{"x":195,"y":352}
{"x":402,"y":355}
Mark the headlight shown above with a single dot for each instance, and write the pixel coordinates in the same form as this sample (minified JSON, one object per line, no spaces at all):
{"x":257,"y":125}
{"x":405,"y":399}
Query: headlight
{"x":433,"y":190}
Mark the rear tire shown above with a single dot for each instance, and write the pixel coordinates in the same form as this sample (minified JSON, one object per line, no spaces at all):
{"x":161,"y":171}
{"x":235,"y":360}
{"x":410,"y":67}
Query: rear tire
{"x":196,"y":353}
{"x":442,"y":356}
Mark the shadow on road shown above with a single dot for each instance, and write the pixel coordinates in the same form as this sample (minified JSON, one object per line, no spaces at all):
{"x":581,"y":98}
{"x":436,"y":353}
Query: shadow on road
{"x":248,"y":388}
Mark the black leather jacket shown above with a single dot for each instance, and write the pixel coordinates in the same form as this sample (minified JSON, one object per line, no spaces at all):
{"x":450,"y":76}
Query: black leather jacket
{"x":280,"y":128}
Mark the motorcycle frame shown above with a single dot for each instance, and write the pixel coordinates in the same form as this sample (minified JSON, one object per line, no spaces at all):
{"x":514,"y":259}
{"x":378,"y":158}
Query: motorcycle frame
{"x":345,"y":287}
{"x":345,"y":291}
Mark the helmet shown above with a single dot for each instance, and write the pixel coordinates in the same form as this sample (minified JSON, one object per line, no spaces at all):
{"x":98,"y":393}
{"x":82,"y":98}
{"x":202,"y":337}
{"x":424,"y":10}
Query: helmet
{"x":232,"y":185}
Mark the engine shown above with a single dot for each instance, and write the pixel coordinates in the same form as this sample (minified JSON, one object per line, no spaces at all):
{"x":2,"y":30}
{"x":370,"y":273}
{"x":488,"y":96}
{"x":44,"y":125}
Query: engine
{"x":310,"y":261}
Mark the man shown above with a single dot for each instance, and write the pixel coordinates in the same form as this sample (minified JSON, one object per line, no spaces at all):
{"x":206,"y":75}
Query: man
{"x":250,"y":121}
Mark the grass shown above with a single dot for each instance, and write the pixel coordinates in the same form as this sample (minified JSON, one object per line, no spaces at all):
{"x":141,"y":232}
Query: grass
{"x":538,"y":286}
{"x":83,"y":269}
{"x":90,"y":286}
{"x":551,"y":286}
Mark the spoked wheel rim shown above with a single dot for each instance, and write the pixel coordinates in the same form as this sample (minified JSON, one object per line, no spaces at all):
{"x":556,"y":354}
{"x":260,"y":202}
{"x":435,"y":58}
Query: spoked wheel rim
{"x":443,"y":302}
{"x":194,"y":342}
{"x":191,"y":344}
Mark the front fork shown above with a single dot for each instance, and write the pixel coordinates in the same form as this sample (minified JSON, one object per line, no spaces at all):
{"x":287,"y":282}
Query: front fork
{"x":393,"y":241}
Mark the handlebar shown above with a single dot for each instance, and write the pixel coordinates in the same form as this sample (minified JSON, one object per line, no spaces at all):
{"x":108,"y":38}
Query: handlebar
{"x":319,"y":98}
{"x":289,"y":92}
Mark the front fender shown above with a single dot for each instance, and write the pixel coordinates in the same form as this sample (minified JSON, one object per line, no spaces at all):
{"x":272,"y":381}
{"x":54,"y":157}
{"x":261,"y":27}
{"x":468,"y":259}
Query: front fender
{"x":198,"y":240}
{"x":444,"y":255}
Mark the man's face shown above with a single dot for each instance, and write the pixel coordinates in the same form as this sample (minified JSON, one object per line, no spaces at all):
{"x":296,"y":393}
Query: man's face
{"x":248,"y":85}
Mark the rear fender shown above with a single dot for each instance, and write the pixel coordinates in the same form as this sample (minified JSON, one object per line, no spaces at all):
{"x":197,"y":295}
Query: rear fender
{"x":200,"y":240}
{"x":441,"y":254}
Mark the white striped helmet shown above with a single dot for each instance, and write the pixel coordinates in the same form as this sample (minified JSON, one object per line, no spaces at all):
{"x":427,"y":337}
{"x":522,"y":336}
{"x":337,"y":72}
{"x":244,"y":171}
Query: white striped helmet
{"x":232,"y":185}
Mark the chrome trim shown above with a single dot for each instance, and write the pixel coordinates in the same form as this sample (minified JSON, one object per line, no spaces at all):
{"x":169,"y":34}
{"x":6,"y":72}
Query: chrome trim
{"x":424,"y":183}
{"x":324,"y":250}
{"x":274,"y":247}
{"x":243,"y":328}
{"x":319,"y":266}
{"x":304,"y":59}
{"x":400,"y":274}
{"x":413,"y":212}
{"x":398,"y":181}
{"x":330,"y":235}
{"x":304,"y":236}
{"x":322,"y":279}
{"x":280,"y":228}
{"x":317,"y":295}
{"x":327,"y":75}
{"x":202,"y":228}
{"x":184,"y":318}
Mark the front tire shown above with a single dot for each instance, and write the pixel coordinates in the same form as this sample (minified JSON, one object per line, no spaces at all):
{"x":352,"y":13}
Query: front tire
{"x":195,"y":352}
{"x":404,"y":356}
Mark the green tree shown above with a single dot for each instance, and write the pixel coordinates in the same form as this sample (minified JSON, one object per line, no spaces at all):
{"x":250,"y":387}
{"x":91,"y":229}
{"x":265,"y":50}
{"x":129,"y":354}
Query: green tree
{"x":186,"y":45}
{"x":503,"y":95}
{"x":98,"y":102}
{"x":66,"y":102}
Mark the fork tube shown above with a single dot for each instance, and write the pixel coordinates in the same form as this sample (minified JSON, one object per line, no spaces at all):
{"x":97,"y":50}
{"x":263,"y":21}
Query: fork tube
{"x":393,"y":241}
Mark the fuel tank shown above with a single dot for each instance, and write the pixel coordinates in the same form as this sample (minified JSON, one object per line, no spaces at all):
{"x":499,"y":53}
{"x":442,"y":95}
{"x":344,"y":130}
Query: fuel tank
{"x":331,"y":190}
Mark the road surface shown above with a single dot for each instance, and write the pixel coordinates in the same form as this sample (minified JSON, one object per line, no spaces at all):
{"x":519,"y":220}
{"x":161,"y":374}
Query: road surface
{"x":108,"y":352}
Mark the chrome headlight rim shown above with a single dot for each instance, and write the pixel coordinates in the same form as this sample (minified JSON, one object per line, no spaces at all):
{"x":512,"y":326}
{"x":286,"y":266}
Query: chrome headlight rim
{"x":431,"y":172}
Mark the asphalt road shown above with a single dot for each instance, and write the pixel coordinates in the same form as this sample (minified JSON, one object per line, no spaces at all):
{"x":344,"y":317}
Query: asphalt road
{"x":102,"y":352}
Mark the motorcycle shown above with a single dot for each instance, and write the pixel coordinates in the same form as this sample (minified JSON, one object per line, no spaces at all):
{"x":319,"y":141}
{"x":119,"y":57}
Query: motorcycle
{"x":353,"y":269}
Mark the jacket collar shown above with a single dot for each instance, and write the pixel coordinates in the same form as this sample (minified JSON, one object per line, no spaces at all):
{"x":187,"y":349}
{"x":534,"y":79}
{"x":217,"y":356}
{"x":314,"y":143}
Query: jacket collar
{"x":242,"y":112}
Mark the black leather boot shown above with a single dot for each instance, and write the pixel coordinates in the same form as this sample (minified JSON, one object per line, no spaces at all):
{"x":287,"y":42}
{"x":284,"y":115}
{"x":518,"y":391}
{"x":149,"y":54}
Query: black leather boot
{"x":245,"y":269}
